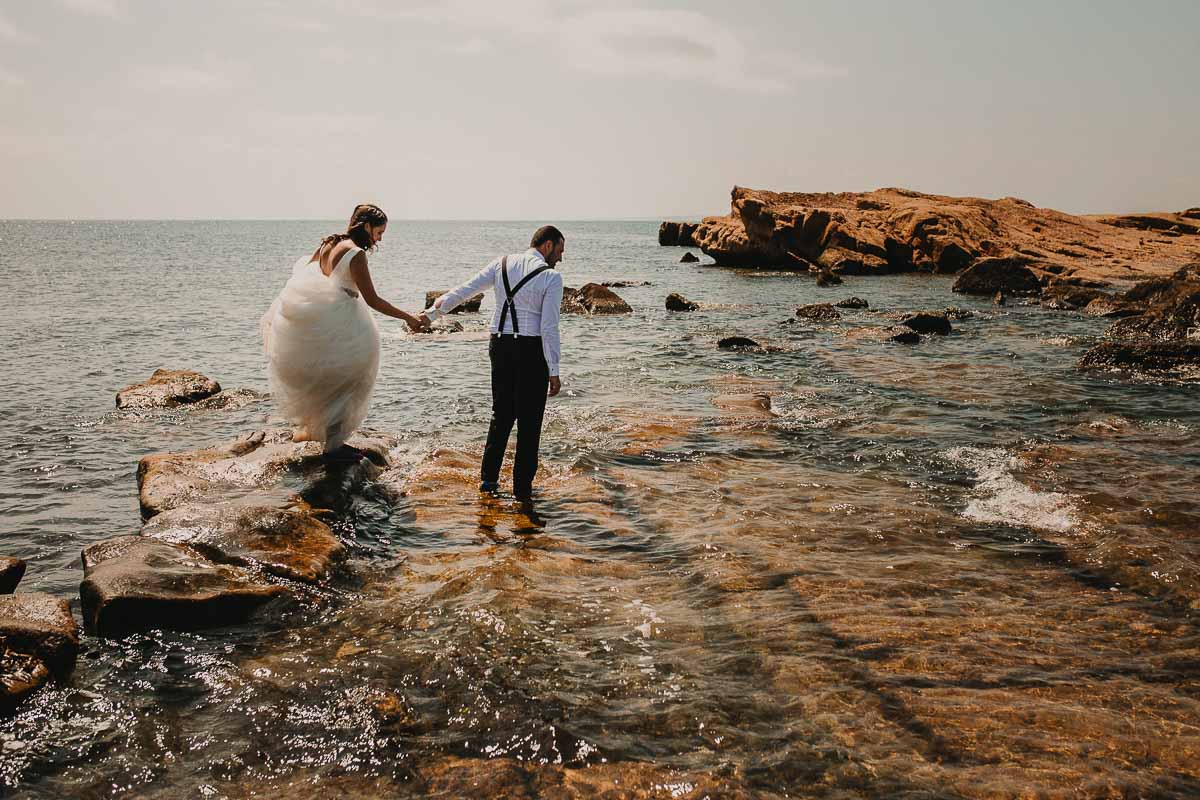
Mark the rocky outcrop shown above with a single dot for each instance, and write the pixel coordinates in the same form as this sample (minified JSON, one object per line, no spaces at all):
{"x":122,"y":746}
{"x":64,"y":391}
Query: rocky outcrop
{"x":167,"y":388}
{"x":1164,"y":338}
{"x":898,"y":230}
{"x":1064,"y":297}
{"x":818,"y":312}
{"x":828,"y":278}
{"x":852,"y":302}
{"x":288,"y":543}
{"x":928,"y":322}
{"x":20,"y":676}
{"x":677,"y":234}
{"x":688,"y":258}
{"x":1170,"y":223}
{"x":471,"y":304}
{"x":11,"y":572}
{"x":677,"y":302}
{"x":40,"y":625}
{"x":136,"y":583}
{"x":593,"y":298}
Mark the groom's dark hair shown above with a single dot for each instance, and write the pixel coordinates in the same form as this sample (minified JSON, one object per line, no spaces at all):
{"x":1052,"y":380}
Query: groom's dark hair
{"x":546,"y":233}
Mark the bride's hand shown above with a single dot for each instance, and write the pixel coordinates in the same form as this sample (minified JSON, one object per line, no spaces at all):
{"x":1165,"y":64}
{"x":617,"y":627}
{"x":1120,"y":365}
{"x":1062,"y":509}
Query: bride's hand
{"x":418,"y":324}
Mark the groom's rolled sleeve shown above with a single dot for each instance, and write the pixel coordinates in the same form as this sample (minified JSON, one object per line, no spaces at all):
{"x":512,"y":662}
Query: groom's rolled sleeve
{"x":450,"y":300}
{"x":551,"y":304}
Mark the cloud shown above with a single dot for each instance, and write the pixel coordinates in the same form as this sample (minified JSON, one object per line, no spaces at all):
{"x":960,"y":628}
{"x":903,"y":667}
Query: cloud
{"x":97,"y":8}
{"x":12,"y":34}
{"x":183,"y":78}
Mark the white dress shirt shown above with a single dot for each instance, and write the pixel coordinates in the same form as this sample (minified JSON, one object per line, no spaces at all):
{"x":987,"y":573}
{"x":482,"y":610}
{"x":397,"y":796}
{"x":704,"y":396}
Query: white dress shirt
{"x":537,"y":304}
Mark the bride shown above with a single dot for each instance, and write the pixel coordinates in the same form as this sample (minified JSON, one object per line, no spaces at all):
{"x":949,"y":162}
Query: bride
{"x":321,"y":341}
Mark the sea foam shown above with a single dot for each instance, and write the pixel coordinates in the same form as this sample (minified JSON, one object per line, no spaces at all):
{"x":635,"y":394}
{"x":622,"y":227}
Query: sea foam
{"x":999,"y":497}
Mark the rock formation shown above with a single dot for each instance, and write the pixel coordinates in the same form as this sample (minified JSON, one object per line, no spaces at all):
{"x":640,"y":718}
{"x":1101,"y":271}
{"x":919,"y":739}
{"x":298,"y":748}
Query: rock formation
{"x":737,"y":343}
{"x":167,"y":388}
{"x":677,"y":234}
{"x":927,"y":322}
{"x":38,"y":640}
{"x":593,"y":298}
{"x":898,"y":230}
{"x":818,"y":312}
{"x":688,"y":258}
{"x":852,"y":302}
{"x":11,"y":572}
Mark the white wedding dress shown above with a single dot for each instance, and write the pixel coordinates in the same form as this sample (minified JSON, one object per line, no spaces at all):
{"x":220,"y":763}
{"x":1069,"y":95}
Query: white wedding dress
{"x":322,"y":347}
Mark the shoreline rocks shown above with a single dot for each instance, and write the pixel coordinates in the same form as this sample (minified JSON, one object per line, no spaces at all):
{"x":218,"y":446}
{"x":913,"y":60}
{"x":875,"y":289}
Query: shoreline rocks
{"x":166,"y":389}
{"x":593,"y":298}
{"x":677,"y":302}
{"x":990,"y":276}
{"x":40,"y":625}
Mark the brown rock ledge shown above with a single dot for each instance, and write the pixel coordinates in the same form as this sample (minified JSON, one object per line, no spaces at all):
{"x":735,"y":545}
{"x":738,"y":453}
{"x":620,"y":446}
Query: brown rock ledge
{"x":167,"y":388}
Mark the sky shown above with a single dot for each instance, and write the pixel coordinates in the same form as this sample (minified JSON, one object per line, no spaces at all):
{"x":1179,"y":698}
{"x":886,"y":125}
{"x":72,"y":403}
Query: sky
{"x":535,"y":109}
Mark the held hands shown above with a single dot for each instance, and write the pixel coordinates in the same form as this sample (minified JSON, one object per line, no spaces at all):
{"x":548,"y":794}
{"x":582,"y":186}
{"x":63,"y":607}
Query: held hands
{"x":555,"y":385}
{"x":418,"y":324}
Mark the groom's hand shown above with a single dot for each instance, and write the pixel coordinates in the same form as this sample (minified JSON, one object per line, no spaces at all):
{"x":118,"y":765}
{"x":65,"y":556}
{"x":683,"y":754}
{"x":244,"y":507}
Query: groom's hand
{"x":555,"y":385}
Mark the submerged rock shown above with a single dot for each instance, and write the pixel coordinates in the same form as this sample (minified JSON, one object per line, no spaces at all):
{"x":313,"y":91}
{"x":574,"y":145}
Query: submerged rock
{"x":895,"y":333}
{"x":688,"y":258}
{"x":136,"y":583}
{"x":677,"y":302}
{"x":1144,"y":356}
{"x":818,"y":312}
{"x":1065,"y":297}
{"x":11,"y":572}
{"x":21,"y":674}
{"x":927,"y":322}
{"x":828,"y":278}
{"x":167,"y":388}
{"x":284,"y":542}
{"x":40,"y":625}
{"x":469,"y":305}
{"x":852,"y":302}
{"x":1010,"y":275}
{"x":625,"y":284}
{"x":737,"y":343}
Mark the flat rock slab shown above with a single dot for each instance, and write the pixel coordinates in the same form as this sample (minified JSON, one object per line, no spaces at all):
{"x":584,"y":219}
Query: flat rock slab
{"x":171,"y":480}
{"x":284,"y":542}
{"x":40,"y":625}
{"x":20,"y":676}
{"x":167,"y":388}
{"x":11,"y":572}
{"x":136,"y":583}
{"x":1180,"y":358}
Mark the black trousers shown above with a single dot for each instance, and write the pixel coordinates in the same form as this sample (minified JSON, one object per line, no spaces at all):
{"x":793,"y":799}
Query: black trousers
{"x":520,"y":379}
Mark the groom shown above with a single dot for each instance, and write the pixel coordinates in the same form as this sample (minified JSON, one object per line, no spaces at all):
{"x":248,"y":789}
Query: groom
{"x":524,"y":351}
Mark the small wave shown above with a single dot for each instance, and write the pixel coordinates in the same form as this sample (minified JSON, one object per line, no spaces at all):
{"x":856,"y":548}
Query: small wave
{"x":1001,"y":498}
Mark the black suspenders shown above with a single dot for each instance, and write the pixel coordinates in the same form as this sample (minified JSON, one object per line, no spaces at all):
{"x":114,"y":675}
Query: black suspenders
{"x":511,"y":292}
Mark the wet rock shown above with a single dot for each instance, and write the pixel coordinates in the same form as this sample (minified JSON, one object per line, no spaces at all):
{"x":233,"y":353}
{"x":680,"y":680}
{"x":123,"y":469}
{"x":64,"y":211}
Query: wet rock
{"x":284,"y":542}
{"x":956,"y":313}
{"x":999,"y":299}
{"x":21,"y":674}
{"x":1113,"y":307}
{"x":40,"y":625}
{"x":677,"y":234}
{"x":1172,"y":309}
{"x":467,"y":306}
{"x":1144,"y":356}
{"x":895,"y":333}
{"x":11,"y":572}
{"x":677,"y":302}
{"x":230,"y":400}
{"x":737,"y":343}
{"x":625,"y":284}
{"x":852,"y":302}
{"x":597,"y":299}
{"x":571,"y":303}
{"x":167,"y":388}
{"x":927,"y":322}
{"x":1065,"y":297}
{"x":1010,"y":275}
{"x":170,"y":480}
{"x":818,"y":312}
{"x":688,"y":258}
{"x":136,"y":583}
{"x":443,"y":325}
{"x":828,"y":278}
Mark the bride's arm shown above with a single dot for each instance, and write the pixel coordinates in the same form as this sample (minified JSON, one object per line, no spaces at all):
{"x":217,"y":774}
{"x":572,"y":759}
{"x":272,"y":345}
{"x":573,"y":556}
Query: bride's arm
{"x":362,"y":279}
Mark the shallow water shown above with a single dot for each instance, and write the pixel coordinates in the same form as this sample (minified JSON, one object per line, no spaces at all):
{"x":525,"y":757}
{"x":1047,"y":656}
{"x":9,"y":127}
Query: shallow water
{"x":840,"y":568}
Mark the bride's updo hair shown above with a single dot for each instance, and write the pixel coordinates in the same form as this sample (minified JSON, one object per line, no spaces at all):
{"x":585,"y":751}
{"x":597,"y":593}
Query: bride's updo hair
{"x":356,"y":231}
